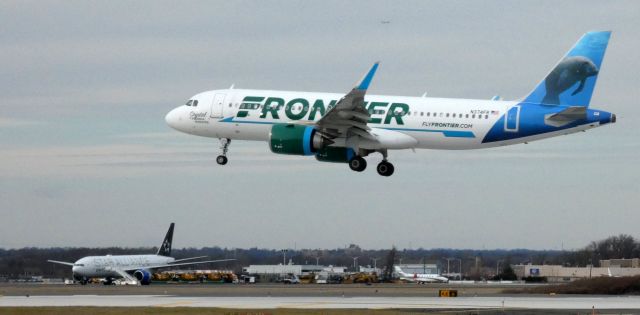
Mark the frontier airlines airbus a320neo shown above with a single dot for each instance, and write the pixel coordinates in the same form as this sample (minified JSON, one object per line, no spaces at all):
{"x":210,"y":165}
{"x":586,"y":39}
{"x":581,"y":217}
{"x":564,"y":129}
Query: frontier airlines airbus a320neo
{"x":347,"y":128}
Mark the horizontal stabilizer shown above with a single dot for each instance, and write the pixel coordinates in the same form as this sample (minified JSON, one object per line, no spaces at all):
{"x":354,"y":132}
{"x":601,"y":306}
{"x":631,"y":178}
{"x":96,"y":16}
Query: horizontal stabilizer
{"x":566,"y":116}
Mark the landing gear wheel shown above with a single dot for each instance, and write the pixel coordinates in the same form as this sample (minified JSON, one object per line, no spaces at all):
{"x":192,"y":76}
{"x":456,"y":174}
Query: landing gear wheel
{"x":221,"y":159}
{"x":358,"y":164}
{"x":385,"y":168}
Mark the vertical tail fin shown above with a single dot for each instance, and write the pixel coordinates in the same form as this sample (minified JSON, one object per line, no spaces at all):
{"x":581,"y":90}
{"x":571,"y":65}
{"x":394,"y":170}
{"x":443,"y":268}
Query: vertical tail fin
{"x":165,"y":248}
{"x":572,"y":80}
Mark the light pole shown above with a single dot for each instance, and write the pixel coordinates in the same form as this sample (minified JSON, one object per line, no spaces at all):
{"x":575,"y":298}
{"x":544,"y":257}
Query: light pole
{"x":498,"y":266}
{"x":284,"y":256}
{"x":355,"y":261}
{"x":375,"y":260}
{"x":317,"y":260}
{"x":449,"y":265}
{"x":460,"y":270}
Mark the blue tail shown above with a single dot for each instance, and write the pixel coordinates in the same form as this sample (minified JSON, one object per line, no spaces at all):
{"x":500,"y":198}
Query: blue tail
{"x":572,"y":80}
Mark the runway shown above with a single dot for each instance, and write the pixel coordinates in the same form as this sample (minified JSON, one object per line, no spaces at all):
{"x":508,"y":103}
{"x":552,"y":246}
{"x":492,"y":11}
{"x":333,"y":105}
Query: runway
{"x":459,"y":303}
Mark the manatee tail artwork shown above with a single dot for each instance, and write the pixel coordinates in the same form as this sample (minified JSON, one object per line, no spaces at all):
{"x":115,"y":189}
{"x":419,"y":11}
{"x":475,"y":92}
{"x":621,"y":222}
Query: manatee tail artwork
{"x":572,"y":80}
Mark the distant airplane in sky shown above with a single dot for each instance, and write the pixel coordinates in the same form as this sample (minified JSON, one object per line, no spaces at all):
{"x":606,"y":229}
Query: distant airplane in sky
{"x":347,"y":128}
{"x":419,"y":277}
{"x":133,"y":268}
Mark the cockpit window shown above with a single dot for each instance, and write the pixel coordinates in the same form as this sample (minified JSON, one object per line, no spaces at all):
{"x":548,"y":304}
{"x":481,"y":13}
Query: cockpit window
{"x":189,"y":103}
{"x":195,"y":103}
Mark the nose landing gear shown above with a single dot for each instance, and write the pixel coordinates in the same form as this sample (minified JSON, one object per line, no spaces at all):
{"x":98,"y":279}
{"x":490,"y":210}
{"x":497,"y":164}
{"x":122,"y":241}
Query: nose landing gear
{"x":222,"y":159}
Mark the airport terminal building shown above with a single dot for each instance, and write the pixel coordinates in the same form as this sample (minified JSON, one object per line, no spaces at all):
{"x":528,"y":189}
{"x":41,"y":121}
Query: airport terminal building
{"x":559,"y":273}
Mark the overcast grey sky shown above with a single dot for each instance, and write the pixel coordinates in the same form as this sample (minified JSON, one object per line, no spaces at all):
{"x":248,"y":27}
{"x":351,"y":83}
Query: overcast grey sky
{"x":87,"y":160}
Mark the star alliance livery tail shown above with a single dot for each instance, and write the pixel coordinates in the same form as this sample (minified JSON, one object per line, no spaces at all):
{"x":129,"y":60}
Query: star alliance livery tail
{"x":165,"y":248}
{"x":572,"y":80}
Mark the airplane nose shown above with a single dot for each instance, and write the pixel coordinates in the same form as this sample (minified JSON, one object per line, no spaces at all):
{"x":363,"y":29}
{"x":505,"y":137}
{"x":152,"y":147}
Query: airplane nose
{"x":172,"y":118}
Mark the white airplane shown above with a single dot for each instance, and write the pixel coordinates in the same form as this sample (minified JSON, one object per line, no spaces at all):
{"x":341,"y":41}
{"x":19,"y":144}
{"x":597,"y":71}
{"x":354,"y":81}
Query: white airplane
{"x":420,"y":277}
{"x":347,"y":128}
{"x":133,"y":268}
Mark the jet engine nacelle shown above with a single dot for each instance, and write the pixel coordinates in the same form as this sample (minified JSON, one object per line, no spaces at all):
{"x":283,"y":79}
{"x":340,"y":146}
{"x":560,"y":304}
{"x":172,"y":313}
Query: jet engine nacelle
{"x":295,"y":139}
{"x":143,"y":276}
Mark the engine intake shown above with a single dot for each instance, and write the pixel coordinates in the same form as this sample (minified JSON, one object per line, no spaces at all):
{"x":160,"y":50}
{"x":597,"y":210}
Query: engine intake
{"x":295,"y":139}
{"x":144,"y":276}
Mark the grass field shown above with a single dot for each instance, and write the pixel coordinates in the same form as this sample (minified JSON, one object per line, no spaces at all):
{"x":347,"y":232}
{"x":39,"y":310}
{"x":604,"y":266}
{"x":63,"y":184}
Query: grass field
{"x":191,"y":311}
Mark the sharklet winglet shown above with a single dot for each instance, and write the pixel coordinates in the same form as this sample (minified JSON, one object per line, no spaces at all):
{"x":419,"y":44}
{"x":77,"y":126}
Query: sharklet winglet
{"x":366,"y":80}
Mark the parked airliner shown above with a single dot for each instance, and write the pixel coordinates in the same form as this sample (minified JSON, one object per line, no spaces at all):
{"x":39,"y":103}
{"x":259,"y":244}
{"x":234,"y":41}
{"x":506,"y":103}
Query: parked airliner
{"x":347,"y":128}
{"x":133,"y":268}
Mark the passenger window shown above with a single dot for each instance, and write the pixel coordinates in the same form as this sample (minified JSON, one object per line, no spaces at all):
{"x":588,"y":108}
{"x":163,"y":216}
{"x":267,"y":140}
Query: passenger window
{"x":421,"y":113}
{"x":447,"y":114}
{"x":454,"y":115}
{"x":473,"y":116}
{"x":466,"y":116}
{"x":486,"y":116}
{"x":428,"y":114}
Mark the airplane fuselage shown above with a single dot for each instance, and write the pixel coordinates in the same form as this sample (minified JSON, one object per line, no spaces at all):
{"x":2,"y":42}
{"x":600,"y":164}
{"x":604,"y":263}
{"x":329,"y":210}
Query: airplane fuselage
{"x":346,"y":128}
{"x":106,"y":266}
{"x":431,"y":123}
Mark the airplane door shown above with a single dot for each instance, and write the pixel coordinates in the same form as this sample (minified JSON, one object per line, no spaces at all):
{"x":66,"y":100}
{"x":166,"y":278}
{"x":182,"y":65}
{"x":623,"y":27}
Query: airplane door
{"x":217,"y":105}
{"x":512,"y":119}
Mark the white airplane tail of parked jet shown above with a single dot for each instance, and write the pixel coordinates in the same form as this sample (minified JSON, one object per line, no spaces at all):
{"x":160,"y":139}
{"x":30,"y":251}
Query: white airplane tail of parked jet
{"x":345,"y":128}
{"x":133,"y":268}
{"x":419,"y":277}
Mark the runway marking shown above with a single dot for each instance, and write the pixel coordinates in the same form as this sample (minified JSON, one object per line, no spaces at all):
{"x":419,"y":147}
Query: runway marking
{"x":175,"y":304}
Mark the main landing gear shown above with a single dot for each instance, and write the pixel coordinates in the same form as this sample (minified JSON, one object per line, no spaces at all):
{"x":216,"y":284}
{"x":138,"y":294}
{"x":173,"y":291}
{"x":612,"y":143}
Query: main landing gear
{"x":222,"y":159}
{"x":358,"y":164}
{"x":384,"y":168}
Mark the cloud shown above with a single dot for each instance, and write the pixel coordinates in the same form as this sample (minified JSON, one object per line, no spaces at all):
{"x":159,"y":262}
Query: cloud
{"x":12,"y":123}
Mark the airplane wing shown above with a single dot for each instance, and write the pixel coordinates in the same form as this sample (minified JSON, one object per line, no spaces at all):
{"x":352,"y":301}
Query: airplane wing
{"x":61,"y":262}
{"x":190,"y":258}
{"x":349,"y":116}
{"x":180,"y":264}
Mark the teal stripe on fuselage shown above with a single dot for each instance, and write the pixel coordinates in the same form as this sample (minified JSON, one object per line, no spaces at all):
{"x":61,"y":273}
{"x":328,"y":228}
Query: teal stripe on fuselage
{"x":447,"y":133}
